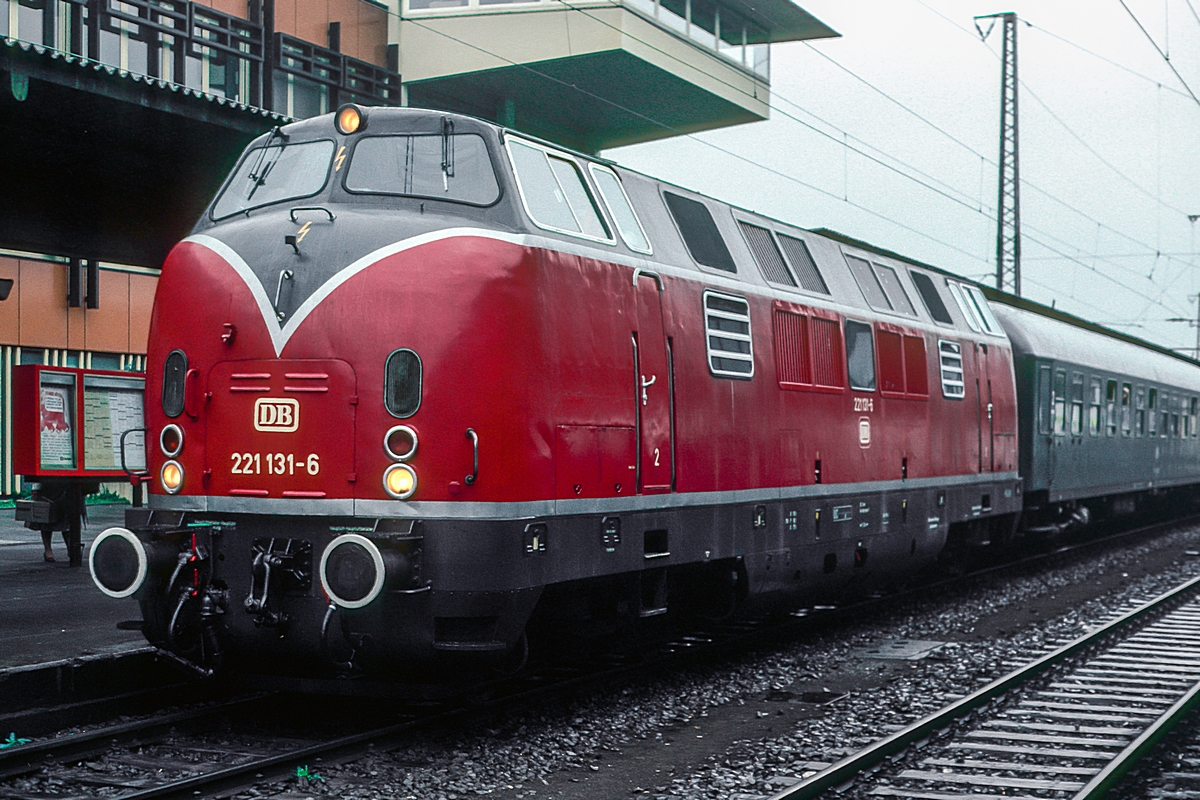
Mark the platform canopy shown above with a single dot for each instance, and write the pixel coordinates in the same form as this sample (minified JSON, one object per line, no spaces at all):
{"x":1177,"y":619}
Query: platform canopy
{"x":102,"y":164}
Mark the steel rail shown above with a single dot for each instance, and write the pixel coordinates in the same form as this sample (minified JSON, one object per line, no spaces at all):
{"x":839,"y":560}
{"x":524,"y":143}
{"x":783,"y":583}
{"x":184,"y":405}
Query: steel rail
{"x":853,"y":765}
{"x":23,"y":758}
{"x":1135,"y":751}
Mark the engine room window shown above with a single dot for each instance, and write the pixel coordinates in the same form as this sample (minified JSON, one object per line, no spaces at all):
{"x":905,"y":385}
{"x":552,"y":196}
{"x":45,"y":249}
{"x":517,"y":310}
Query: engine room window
{"x":990,"y":323}
{"x":876,"y":298}
{"x":454,"y":167}
{"x":895,"y":291}
{"x":950,"y":357}
{"x":727,"y":336}
{"x":275,"y":173}
{"x":975,"y":308}
{"x":929,"y":295}
{"x":174,"y":372}
{"x":767,"y":254}
{"x":860,"y":356}
{"x":554,"y":192}
{"x":402,"y":383}
{"x":699,"y":232}
{"x":621,"y":210}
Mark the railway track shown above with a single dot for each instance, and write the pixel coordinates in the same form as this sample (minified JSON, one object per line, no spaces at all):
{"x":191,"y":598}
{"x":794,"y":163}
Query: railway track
{"x":1069,"y":724}
{"x":225,"y":768}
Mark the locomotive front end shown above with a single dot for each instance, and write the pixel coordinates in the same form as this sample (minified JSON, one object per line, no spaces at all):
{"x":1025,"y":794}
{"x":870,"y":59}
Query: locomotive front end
{"x":313,"y":397}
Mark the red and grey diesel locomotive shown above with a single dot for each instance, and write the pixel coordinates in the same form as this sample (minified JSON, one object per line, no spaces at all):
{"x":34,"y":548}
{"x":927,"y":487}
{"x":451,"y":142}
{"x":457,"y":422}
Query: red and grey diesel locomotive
{"x":418,"y":384}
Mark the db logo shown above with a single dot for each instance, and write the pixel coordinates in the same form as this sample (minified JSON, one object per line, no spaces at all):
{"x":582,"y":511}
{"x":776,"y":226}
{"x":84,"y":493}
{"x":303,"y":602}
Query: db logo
{"x":278,"y":414}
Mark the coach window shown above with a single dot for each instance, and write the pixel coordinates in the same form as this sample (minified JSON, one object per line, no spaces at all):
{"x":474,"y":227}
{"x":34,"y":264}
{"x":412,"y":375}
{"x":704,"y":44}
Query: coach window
{"x":1094,"y":407}
{"x":1045,"y":401}
{"x":1140,"y":408}
{"x":1110,"y":407}
{"x":1192,"y":417}
{"x":699,"y":232}
{"x":1060,"y":402}
{"x":1152,"y":410}
{"x":860,"y":356}
{"x":1126,"y":398}
{"x":1076,"y":403}
{"x":620,"y":209}
{"x":554,"y":192}
{"x":929,"y":295}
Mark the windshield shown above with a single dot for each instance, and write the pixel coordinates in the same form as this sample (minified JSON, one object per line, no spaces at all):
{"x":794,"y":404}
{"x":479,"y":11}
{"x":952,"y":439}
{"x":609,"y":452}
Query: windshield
{"x":274,"y":173}
{"x":454,"y":167}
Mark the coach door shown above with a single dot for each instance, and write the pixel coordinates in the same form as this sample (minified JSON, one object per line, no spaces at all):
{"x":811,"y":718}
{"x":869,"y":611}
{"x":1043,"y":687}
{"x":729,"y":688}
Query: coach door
{"x":984,"y":409}
{"x":654,"y":387}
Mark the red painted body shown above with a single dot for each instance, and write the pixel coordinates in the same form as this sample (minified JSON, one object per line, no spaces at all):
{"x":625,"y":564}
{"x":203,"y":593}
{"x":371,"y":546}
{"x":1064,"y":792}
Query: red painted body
{"x":534,"y":349}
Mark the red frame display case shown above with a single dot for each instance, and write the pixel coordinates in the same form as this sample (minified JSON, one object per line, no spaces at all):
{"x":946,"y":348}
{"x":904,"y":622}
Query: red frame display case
{"x":69,"y":422}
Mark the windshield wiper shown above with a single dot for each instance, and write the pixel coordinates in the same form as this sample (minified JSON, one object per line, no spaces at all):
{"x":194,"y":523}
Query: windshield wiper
{"x":262,"y":167}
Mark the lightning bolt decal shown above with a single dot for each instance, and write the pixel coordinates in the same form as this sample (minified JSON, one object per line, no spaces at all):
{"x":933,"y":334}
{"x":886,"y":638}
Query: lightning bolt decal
{"x":303,"y":232}
{"x":341,"y":156}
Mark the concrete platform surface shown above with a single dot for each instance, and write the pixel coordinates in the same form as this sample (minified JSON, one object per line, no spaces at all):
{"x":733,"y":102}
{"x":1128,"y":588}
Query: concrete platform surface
{"x":50,"y":611}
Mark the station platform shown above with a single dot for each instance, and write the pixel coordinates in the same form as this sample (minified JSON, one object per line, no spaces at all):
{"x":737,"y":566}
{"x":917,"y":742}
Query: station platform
{"x":50,"y":611}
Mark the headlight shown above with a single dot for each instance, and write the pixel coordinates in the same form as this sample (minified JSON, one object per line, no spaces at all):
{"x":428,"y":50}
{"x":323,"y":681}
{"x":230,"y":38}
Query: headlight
{"x":171,"y":477}
{"x":400,"y":481}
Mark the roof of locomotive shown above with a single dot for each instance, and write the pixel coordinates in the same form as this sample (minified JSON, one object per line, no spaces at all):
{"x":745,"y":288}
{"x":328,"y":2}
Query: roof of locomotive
{"x":1036,"y":329}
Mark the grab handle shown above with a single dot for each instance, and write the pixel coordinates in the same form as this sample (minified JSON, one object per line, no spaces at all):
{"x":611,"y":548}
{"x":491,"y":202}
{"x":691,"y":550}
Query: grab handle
{"x":474,"y":437}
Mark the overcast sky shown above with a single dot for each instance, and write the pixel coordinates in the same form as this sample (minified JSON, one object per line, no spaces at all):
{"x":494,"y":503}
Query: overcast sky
{"x":1110,"y":147}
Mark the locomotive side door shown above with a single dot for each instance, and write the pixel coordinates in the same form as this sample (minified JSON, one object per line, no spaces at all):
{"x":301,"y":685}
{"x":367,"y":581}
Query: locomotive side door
{"x":654,"y":387}
{"x":984,"y":408}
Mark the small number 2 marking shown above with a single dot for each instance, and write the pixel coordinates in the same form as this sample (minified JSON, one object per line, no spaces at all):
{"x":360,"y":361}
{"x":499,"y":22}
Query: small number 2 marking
{"x":656,"y":456}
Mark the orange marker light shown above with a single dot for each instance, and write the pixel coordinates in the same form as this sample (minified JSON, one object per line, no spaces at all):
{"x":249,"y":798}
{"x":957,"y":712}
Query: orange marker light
{"x":348,"y":120}
{"x":171,"y":477}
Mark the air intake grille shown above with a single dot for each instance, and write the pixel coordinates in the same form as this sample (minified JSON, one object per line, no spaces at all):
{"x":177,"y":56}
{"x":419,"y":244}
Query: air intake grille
{"x":727,"y":335}
{"x":952,"y":369}
{"x":767,"y":254}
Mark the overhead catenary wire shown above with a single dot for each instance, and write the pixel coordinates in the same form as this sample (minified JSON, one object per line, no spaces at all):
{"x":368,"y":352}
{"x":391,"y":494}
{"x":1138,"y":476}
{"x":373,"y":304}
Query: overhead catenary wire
{"x":1151,"y":249}
{"x":844,"y":140}
{"x":693,"y":137}
{"x":772,"y":170}
{"x":1165,"y":56}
